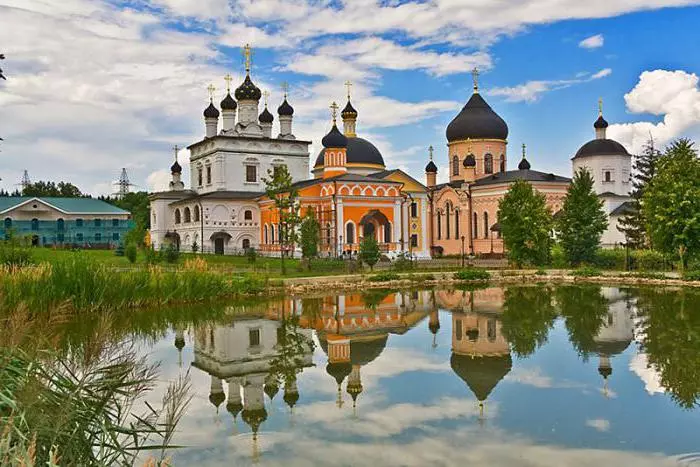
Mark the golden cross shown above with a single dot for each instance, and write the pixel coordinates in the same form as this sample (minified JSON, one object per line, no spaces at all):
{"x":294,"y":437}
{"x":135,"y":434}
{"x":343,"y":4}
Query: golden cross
{"x":211,"y":90}
{"x":228,"y":78}
{"x":430,"y":151}
{"x":469,"y":145}
{"x":348,"y":85}
{"x":334,"y":110}
{"x":475,"y":77}
{"x":247,"y":54}
{"x":524,"y":147}
{"x":266,"y":94}
{"x":600,"y":106}
{"x":175,"y":149}
{"x":285,"y":88}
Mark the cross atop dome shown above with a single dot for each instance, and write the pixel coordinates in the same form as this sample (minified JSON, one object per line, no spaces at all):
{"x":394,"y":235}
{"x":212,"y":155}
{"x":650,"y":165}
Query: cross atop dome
{"x":334,"y":111}
{"x":475,"y":78}
{"x":285,"y":88}
{"x":600,"y":106}
{"x":348,"y":84}
{"x":228,"y":78}
{"x":247,"y":55}
{"x":211,"y":89}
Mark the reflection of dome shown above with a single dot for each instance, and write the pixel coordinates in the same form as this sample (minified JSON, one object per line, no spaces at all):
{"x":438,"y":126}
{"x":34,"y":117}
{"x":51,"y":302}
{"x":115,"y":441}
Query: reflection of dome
{"x":602,"y":147}
{"x":234,"y":408}
{"x":216,"y":398}
{"x":179,"y":342}
{"x":434,"y":327}
{"x":271,"y":389}
{"x":291,"y":398}
{"x":363,"y":352}
{"x":610,"y":347}
{"x":339,"y":371}
{"x":481,"y":374}
{"x":354,"y":390}
{"x":254,"y":418}
{"x":477,"y":120}
{"x":604,"y":371}
{"x":359,"y":151}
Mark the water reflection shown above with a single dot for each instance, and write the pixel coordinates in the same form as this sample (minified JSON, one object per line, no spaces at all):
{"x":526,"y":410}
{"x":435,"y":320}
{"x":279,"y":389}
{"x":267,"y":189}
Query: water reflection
{"x":489,"y":337}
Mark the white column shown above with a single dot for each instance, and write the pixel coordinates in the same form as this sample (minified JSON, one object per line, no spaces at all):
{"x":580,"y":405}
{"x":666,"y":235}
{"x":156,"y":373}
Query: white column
{"x":397,"y":224}
{"x":340,"y":226}
{"x":424,"y":224}
{"x":406,"y":231}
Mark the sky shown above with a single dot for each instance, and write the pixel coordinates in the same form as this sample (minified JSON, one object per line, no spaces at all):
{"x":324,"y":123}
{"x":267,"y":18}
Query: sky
{"x":97,"y":85}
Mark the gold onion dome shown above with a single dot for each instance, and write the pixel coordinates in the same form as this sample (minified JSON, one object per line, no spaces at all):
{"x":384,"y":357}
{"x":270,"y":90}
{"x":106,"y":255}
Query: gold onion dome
{"x":349,"y":111}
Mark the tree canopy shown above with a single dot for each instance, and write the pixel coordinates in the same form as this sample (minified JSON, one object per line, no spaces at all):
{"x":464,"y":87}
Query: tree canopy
{"x":60,"y":189}
{"x":280,"y":188}
{"x":369,"y":251}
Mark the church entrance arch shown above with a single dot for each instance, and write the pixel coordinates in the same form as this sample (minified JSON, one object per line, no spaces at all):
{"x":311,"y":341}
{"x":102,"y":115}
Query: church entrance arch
{"x":369,"y":230}
{"x":375,"y":221}
{"x":220,"y":240}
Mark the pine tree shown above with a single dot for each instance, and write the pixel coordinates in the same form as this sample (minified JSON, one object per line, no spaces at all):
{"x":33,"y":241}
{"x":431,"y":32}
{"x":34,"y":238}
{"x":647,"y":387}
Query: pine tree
{"x":309,"y":236}
{"x":280,"y":188}
{"x":582,"y":220}
{"x":633,"y":225}
{"x":671,"y":202}
{"x":526,"y":225}
{"x":369,"y":251}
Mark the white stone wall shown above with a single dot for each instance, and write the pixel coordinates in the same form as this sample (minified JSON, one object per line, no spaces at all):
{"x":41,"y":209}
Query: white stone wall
{"x":620,"y":167}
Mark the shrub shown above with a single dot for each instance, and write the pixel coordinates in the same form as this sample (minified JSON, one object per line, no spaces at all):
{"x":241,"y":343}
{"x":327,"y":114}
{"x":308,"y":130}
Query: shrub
{"x":251,"y":255}
{"x":649,"y":275}
{"x":195,"y":247}
{"x":586,"y":271}
{"x":472,"y":274}
{"x":558,"y":257}
{"x":691,"y":275}
{"x":15,"y":256}
{"x":152,"y":256}
{"x":384,"y":277}
{"x":130,"y":252}
{"x":540,"y":272}
{"x":403,"y":262}
{"x":649,"y":260}
{"x":353,"y":266}
{"x":170,"y":254}
{"x":610,"y":259}
{"x":119,"y":251}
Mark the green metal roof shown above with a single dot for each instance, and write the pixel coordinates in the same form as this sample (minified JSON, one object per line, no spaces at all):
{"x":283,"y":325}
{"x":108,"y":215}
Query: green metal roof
{"x":66,"y":205}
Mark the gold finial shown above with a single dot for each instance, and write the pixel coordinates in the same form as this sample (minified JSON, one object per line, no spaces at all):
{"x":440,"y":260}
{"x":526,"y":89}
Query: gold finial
{"x":266,"y":94}
{"x":247,"y":54}
{"x":600,"y":106}
{"x":175,"y":150}
{"x":348,"y":85}
{"x":430,"y":151}
{"x":475,"y":77}
{"x":524,"y":148}
{"x":469,"y":145}
{"x":334,"y":111}
{"x":211,"y":90}
{"x":228,"y":78}
{"x":285,"y":88}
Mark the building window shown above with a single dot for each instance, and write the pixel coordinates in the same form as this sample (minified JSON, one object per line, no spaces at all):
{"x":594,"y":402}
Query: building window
{"x":177,"y":216}
{"x":60,"y":238}
{"x":414,"y":240}
{"x":60,"y":225}
{"x":350,"y":233}
{"x":209,"y":175}
{"x":248,"y":215}
{"x":414,"y":209}
{"x":254,"y":337}
{"x":115,"y":236}
{"x":246,"y":243}
{"x":272,"y":234}
{"x":448,"y":207}
{"x":196,"y":213}
{"x":188,"y":215}
{"x":607,"y":176}
{"x":79,"y":222}
{"x":35,"y":224}
{"x":115,"y":222}
{"x":439,"y":225}
{"x":387,"y":233}
{"x":475,"y":226}
{"x":457,"y":223}
{"x":486,"y":225}
{"x":265,"y":237}
{"x":98,"y":222}
{"x":458,"y":329}
{"x":251,"y":173}
{"x":488,"y":164}
{"x":98,"y":237}
{"x":8,"y":223}
{"x":79,"y":236}
{"x":455,"y":165}
{"x":491,"y":330}
{"x":199,"y":177}
{"x":503,"y":163}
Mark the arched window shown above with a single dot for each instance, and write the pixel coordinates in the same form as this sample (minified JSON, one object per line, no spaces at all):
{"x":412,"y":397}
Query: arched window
{"x":246,"y":243}
{"x":248,"y":215}
{"x":457,"y":223}
{"x":503,"y":163}
{"x":488,"y":164}
{"x":455,"y":165}
{"x":387,"y":232}
{"x":272,"y":233}
{"x":177,"y":216}
{"x":486,"y":225}
{"x":35,"y":224}
{"x":350,"y":233}
{"x":328,"y":233}
{"x":448,"y":208}
{"x":196,"y":213}
{"x":475,"y":227}
{"x":8,"y":223}
{"x":60,"y":225}
{"x":188,"y":215}
{"x":279,"y":233}
{"x":439,"y":225}
{"x":265,"y":237}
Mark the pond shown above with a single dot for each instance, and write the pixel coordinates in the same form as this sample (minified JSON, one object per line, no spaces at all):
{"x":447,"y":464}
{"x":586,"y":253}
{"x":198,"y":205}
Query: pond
{"x":526,"y":375}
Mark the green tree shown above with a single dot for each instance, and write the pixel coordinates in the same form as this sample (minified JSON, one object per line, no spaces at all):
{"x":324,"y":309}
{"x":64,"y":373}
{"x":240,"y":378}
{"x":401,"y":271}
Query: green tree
{"x":309,"y":236}
{"x":139,"y":206}
{"x":280,"y":189}
{"x":582,"y":220}
{"x":62,"y":189}
{"x":526,"y":225}
{"x":633,"y":225}
{"x":369,"y":251}
{"x":528,"y":315}
{"x":584,"y":309}
{"x":671,"y":202}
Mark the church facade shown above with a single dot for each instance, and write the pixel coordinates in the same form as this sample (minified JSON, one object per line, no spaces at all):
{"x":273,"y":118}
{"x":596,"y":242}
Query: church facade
{"x":351,"y":191}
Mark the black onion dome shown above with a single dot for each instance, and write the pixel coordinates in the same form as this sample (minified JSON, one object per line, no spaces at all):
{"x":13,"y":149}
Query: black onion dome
{"x":481,"y":374}
{"x":335,"y":139}
{"x":349,"y":110}
{"x":602,"y":147}
{"x":248,"y":91}
{"x":364,"y":352}
{"x":216,"y":398}
{"x":285,"y":109}
{"x":211,"y":111}
{"x":271,"y":390}
{"x":605,"y":371}
{"x":291,"y":398}
{"x":339,"y":371}
{"x":228,"y":103}
{"x":470,"y":161}
{"x":354,"y":390}
{"x":600,"y":123}
{"x":431,"y":167}
{"x":176,"y":168}
{"x":266,"y":116}
{"x":434,"y":327}
{"x":476,"y":120}
{"x":179,"y":341}
{"x":360,"y":151}
{"x":524,"y":164}
{"x":234,"y":408}
{"x":610,"y":347}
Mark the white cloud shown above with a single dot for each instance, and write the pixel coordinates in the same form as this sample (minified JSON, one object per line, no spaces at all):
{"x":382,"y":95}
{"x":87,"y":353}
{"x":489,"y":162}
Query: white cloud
{"x":639,"y":365}
{"x":592,"y":42}
{"x":533,"y":90}
{"x":599,"y":424}
{"x":671,"y":94}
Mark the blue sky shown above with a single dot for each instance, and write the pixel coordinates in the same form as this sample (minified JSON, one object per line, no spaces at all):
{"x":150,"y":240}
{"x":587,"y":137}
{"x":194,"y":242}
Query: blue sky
{"x":97,"y":85}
